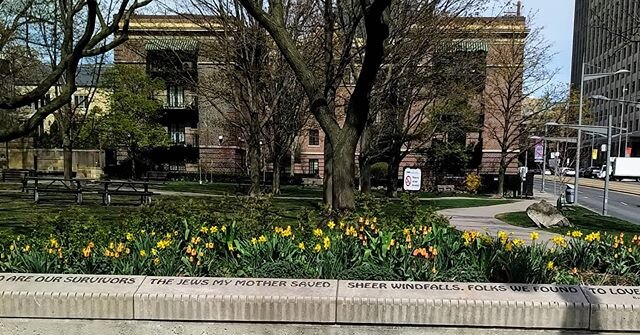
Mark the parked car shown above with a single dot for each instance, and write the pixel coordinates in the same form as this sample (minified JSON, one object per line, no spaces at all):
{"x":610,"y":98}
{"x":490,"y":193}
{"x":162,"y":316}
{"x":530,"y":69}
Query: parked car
{"x":566,"y":171}
{"x":590,"y":172}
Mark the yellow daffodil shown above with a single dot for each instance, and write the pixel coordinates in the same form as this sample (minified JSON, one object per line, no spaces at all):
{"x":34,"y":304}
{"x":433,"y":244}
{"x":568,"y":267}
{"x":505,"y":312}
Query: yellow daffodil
{"x":327,"y":243}
{"x":129,"y":236}
{"x":550,"y":265}
{"x":595,"y":236}
{"x":518,"y":242}
{"x":156,"y":261}
{"x":317,"y":232}
{"x":503,"y":236}
{"x":143,"y":253}
{"x":576,"y":234}
{"x":534,"y":236}
{"x":317,"y":248}
{"x":262,"y":239}
{"x":254,"y":241}
{"x":331,"y":224}
{"x":559,"y":241}
{"x":301,"y":245}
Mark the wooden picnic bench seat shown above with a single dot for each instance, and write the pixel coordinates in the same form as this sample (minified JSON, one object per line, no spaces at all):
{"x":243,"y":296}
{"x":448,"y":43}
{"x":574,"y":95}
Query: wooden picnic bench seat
{"x":41,"y":185}
{"x":162,"y":176}
{"x":446,"y":189}
{"x":125,"y":188}
{"x":13,"y":175}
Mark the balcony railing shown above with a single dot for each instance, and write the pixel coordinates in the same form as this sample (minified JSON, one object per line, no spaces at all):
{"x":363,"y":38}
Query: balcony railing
{"x":187,"y":102}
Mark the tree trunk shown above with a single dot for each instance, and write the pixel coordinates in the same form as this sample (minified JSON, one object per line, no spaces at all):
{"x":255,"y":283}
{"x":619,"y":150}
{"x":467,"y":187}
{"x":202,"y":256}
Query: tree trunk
{"x":392,"y":174}
{"x":365,"y":175}
{"x":344,"y":152}
{"x":275,"y":184}
{"x":292,"y":171}
{"x":327,"y":181}
{"x":67,"y":154}
{"x":502,"y":170}
{"x":363,"y":162}
{"x":254,"y":165}
{"x":132,"y":158}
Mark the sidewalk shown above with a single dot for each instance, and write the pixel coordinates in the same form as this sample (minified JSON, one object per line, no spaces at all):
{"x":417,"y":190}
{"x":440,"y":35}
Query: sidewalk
{"x":483,"y":219}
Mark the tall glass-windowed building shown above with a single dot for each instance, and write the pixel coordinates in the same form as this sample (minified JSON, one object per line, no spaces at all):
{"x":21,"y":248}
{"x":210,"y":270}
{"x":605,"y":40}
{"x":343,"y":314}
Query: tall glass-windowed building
{"x":606,"y":38}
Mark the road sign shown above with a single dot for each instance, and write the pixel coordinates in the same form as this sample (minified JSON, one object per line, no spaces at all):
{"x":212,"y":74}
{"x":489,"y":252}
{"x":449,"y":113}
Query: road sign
{"x":412,"y":179}
{"x":539,"y":151}
{"x":594,"y":154}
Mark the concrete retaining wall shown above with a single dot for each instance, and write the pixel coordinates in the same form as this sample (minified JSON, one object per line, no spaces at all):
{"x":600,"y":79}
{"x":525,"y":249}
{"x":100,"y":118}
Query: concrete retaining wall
{"x":85,"y":304}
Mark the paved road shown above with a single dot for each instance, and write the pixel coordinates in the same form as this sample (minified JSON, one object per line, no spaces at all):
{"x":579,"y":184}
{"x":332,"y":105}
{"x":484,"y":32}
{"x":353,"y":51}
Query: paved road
{"x":621,"y":205}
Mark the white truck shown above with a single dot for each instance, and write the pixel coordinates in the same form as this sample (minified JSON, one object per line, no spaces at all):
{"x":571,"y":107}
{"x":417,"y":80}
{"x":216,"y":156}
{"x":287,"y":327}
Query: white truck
{"x":623,"y":168}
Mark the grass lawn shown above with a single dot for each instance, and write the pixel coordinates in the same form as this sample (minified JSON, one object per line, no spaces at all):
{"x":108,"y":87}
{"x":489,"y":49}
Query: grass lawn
{"x":581,"y":218}
{"x":20,"y":215}
{"x":286,"y":190}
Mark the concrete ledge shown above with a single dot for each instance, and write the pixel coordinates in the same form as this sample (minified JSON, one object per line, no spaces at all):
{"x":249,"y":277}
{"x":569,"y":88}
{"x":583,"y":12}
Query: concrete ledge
{"x":108,"y":327}
{"x":463,"y":304}
{"x":139,"y":305}
{"x":614,"y":307}
{"x":236,"y":299}
{"x":67,"y":296}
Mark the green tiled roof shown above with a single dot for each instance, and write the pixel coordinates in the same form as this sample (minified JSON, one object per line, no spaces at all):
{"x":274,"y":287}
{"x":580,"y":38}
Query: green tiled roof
{"x":174,"y":44}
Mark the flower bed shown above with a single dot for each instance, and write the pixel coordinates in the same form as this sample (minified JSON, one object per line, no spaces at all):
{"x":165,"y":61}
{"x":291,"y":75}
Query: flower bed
{"x":421,"y":247}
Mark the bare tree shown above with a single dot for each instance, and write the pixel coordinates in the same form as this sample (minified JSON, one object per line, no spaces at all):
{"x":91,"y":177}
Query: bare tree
{"x":86,"y":29}
{"x":345,"y":20}
{"x":427,"y":73}
{"x":253,"y":88}
{"x":519,"y":71}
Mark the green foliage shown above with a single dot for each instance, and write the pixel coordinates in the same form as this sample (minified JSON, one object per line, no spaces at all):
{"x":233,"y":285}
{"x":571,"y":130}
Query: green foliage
{"x":192,"y":238}
{"x":448,"y":156}
{"x":379,"y":171}
{"x":132,"y":121}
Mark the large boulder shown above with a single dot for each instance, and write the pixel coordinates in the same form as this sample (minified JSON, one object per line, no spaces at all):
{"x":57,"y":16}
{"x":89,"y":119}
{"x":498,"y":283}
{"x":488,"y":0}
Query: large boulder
{"x":546,"y":215}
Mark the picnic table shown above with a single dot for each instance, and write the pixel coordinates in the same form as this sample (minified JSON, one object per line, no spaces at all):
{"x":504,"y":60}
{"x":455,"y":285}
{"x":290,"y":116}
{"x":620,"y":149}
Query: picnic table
{"x":126,"y":188}
{"x":54,"y":185}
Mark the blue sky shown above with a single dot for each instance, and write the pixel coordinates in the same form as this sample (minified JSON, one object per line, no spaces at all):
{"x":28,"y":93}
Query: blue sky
{"x":556,"y":19}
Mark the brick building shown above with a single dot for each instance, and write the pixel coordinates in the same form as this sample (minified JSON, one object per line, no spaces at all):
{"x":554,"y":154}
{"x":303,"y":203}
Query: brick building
{"x":175,"y":48}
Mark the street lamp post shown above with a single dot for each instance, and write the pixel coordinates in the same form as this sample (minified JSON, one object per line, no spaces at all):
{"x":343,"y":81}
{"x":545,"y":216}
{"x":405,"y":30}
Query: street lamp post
{"x":544,"y":157}
{"x":585,"y":78}
{"x":605,"y":201}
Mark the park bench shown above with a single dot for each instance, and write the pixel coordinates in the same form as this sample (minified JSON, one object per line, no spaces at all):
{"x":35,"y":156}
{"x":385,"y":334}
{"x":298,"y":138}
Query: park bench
{"x":41,"y":185}
{"x":140,"y":189}
{"x":162,"y":176}
{"x":446,"y":189}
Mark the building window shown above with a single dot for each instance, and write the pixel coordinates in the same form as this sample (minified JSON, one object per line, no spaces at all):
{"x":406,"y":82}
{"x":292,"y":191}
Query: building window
{"x":314,"y":137}
{"x":176,"y":133}
{"x":81,"y":101}
{"x":175,"y":96}
{"x":314,"y":167}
